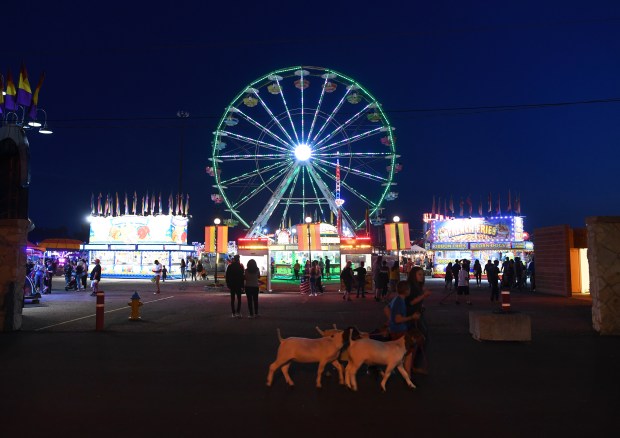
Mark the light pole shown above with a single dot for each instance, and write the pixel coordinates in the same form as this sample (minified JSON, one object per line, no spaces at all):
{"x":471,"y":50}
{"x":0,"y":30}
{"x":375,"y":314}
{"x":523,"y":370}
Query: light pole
{"x":216,"y":221}
{"x":308,"y":220}
{"x":182,"y":115}
{"x":396,"y":220}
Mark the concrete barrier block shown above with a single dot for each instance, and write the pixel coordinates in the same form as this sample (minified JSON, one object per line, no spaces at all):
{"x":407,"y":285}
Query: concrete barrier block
{"x":489,"y":326}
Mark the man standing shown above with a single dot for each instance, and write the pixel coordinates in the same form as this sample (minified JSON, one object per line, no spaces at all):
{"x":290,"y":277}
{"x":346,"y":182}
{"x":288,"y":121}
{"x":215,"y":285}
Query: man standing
{"x":347,"y":278}
{"x":493,"y":277}
{"x":157,"y":271}
{"x":234,"y":282}
{"x":95,"y":277}
{"x":361,"y":280}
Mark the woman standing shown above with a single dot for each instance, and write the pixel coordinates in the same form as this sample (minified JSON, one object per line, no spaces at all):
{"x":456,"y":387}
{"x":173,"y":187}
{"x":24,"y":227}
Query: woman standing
{"x":183,"y":267}
{"x":478,"y":272}
{"x":414,"y":301}
{"x":448,"y":277}
{"x":95,"y":277}
{"x":251,"y":276}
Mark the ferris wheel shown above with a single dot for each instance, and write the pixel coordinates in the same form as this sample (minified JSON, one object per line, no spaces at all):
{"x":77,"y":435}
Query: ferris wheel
{"x":299,"y":142}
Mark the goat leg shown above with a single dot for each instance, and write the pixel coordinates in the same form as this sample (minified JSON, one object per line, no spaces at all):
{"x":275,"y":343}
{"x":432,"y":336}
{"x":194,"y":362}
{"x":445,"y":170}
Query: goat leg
{"x":403,"y":372}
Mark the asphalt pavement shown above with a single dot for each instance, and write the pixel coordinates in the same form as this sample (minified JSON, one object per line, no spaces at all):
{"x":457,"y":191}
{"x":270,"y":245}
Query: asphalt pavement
{"x":188,"y":369}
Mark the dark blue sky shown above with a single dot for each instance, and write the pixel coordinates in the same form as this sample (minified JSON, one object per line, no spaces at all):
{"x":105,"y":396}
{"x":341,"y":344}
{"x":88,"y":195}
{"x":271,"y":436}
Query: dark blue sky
{"x":117,"y":73}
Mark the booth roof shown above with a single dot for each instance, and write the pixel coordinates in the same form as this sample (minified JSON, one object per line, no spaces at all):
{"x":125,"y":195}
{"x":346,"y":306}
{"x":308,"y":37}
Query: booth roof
{"x":49,"y":244}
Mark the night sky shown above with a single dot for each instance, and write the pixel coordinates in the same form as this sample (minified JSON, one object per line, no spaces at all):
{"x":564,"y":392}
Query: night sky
{"x":455,"y":78}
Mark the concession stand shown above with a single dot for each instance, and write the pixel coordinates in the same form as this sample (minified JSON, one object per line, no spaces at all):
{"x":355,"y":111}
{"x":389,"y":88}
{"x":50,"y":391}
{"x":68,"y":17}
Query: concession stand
{"x":481,"y":238}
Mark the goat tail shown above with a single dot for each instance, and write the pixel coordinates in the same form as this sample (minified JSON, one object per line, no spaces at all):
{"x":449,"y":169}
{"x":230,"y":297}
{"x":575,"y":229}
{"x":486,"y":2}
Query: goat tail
{"x":279,"y":335}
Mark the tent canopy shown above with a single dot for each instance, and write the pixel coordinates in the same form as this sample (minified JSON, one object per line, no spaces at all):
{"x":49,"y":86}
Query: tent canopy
{"x":415,"y":248}
{"x":67,"y":244}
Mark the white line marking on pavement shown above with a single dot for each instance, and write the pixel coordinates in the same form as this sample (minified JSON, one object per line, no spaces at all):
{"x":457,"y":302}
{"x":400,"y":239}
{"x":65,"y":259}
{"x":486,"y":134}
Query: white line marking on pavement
{"x":94,"y":314}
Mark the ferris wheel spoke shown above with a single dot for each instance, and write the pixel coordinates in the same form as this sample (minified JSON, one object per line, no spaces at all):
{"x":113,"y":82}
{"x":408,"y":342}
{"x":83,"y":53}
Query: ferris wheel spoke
{"x":290,"y":195}
{"x":357,"y":155}
{"x":290,"y":118}
{"x":316,"y":195}
{"x":262,"y":128}
{"x":331,"y":116}
{"x":254,"y":157}
{"x":352,"y":119}
{"x":258,"y":189}
{"x":254,"y":173}
{"x":253,"y":141}
{"x":354,"y":171}
{"x":349,"y":140}
{"x":273,"y":202}
{"x":327,"y":194}
{"x":274,"y":118}
{"x":348,"y":187}
{"x":318,"y":107}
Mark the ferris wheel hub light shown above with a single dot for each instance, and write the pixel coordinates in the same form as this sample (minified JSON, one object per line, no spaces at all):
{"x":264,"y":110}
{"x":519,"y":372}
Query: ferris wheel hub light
{"x":303,"y":152}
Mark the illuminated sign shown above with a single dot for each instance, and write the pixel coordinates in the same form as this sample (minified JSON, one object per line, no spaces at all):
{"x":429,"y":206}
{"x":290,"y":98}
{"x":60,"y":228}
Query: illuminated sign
{"x":497,"y":229}
{"x":255,"y":243}
{"x":138,"y":229}
{"x":491,"y":245}
{"x":451,"y":245}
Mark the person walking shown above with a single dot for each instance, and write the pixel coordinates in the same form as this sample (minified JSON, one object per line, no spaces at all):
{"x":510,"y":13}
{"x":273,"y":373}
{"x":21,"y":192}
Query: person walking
{"x":183,"y":267}
{"x":68,"y":271}
{"x":486,"y":270}
{"x":234,"y":282}
{"x":347,"y":278}
{"x":328,"y":265}
{"x":376,"y":276}
{"x":296,"y":269}
{"x":456,"y":268}
{"x":252,"y":276}
{"x":493,"y":277}
{"x":95,"y":277}
{"x":157,"y":271}
{"x":193,"y":268}
{"x":360,"y":272}
{"x":384,"y":280}
{"x":463,"y":283}
{"x":478,"y":273}
{"x":394,"y":277}
{"x":449,"y":276}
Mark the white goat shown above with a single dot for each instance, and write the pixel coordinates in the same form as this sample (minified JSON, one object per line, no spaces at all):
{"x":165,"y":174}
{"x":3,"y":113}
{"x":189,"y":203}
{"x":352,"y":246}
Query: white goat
{"x":323,"y":350}
{"x":371,"y":352}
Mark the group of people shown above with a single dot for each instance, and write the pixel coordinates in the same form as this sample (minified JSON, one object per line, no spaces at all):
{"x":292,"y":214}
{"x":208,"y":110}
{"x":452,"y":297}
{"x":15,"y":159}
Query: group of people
{"x":76,"y":275}
{"x":240,"y":279}
{"x":513,"y":275}
{"x":384,"y":278}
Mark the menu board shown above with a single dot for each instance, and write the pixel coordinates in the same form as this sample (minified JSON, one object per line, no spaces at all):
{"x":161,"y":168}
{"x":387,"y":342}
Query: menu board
{"x":158,"y":229}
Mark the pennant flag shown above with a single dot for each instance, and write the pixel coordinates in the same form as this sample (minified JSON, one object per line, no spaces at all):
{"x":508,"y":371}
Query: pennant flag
{"x":146,"y":202}
{"x":178,"y":210}
{"x":445,"y":206}
{"x":170,"y":204}
{"x":469,"y":204}
{"x":439,"y":205}
{"x":181,"y":204}
{"x":397,"y":236}
{"x":289,"y":223}
{"x":99,"y":203}
{"x":1,"y":94}
{"x":509,"y":207}
{"x":24,"y":92}
{"x":433,"y":208}
{"x":134,"y":209}
{"x":490,"y":204}
{"x":142,"y":202}
{"x":118,"y":206}
{"x":461,"y":206}
{"x":35,"y":99}
{"x":106,"y":206}
{"x":480,"y":208}
{"x":187,"y":205}
{"x":126,"y":204}
{"x":518,"y":204}
{"x":160,"y":210}
{"x":314,"y":240}
{"x":10,"y":100}
{"x":222,"y":239}
{"x":92,"y":203}
{"x":153,"y":203}
{"x":499,"y":206}
{"x":451,"y":205}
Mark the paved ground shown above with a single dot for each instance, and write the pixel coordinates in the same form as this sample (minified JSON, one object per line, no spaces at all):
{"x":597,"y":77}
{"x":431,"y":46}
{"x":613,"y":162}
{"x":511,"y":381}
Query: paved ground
{"x":188,"y":369}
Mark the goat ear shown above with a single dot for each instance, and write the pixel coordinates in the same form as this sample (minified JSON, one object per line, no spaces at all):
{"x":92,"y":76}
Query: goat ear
{"x":335,"y":328}
{"x":320,"y":331}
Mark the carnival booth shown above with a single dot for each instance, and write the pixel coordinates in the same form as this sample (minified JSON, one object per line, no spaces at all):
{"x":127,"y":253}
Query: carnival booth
{"x":256,"y":248}
{"x":128,"y":245}
{"x":299,"y":243}
{"x":481,"y":238}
